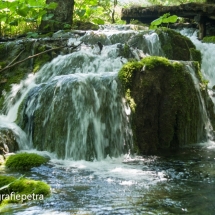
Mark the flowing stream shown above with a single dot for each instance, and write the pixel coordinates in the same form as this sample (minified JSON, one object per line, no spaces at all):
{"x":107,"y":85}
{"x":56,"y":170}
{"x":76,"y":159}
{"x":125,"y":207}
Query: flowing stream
{"x":91,"y":170}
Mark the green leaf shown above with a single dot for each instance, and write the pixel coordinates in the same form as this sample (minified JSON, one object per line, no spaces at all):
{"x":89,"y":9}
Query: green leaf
{"x":14,"y":23}
{"x":157,"y":21}
{"x":173,"y":18}
{"x":98,"y":21}
{"x":51,"y":6}
{"x":153,"y":27}
{"x":80,"y":13}
{"x":32,"y":35}
{"x":22,"y":11}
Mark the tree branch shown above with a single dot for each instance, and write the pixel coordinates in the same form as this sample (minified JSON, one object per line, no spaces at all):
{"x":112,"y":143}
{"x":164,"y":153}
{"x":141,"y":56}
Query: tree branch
{"x":36,"y":55}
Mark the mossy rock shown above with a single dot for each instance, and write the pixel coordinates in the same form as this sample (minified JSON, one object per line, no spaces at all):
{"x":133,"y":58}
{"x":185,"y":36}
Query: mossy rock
{"x":209,"y":39}
{"x":176,"y":46}
{"x":8,"y":141}
{"x":25,"y":161}
{"x":164,"y":103}
{"x":22,"y":187}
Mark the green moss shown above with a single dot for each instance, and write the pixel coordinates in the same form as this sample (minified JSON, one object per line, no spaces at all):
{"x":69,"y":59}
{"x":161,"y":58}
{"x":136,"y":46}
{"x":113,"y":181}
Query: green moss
{"x":41,"y":59}
{"x":24,"y":161}
{"x":22,"y":186}
{"x":127,"y":73}
{"x":46,"y":35}
{"x":210,"y":39}
{"x":130,"y":100}
{"x":164,"y":103}
{"x":196,"y":55}
{"x":126,"y":51}
{"x":154,"y":61}
{"x":174,"y":45}
{"x":203,"y":82}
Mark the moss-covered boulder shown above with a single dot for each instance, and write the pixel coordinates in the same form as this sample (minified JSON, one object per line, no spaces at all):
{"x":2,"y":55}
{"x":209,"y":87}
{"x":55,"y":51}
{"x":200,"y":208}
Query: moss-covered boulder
{"x":21,"y":190}
{"x":25,"y":161}
{"x":165,"y":103}
{"x":8,"y":142}
{"x":176,"y":46}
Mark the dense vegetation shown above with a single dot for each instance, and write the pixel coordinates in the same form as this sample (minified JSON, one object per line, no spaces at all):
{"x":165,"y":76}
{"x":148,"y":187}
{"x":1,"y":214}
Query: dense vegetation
{"x":21,"y":16}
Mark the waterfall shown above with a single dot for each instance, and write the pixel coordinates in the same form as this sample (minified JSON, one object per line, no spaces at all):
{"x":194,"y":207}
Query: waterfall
{"x":76,"y":108}
{"x":205,"y":119}
{"x":208,"y":59}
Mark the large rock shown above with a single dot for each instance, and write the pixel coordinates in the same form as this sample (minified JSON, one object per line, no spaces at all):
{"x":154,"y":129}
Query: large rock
{"x":176,"y":46}
{"x":166,"y":104}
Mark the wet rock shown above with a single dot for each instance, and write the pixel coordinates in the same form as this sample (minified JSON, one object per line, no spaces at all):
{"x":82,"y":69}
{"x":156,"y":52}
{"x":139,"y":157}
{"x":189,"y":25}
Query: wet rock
{"x":165,"y":104}
{"x":176,"y":46}
{"x":62,"y":34}
{"x":8,"y":142}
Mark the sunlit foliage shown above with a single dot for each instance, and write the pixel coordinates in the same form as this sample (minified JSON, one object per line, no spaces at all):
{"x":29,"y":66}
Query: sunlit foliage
{"x":19,"y":16}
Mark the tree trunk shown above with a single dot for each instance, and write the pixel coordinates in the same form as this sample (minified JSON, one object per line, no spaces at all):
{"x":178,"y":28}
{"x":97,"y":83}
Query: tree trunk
{"x":63,"y":16}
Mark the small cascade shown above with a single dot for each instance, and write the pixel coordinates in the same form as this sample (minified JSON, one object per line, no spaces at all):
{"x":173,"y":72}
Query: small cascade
{"x":208,"y":58}
{"x":19,"y":135}
{"x":205,"y":119}
{"x":207,"y":68}
{"x":154,"y":47}
{"x":74,"y":106}
{"x":77,"y":109}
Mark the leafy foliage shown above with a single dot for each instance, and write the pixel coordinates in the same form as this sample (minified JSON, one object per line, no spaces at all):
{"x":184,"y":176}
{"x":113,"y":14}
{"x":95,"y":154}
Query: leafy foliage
{"x":96,"y":11}
{"x":165,"y":19}
{"x":19,"y":16}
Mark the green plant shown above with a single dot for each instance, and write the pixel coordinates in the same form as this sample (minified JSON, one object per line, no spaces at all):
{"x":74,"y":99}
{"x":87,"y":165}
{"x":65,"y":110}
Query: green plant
{"x":165,"y":19}
{"x":96,"y":11}
{"x":20,"y":16}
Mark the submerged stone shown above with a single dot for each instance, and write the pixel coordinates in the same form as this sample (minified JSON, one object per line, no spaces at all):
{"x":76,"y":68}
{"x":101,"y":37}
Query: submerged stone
{"x":167,"y":112}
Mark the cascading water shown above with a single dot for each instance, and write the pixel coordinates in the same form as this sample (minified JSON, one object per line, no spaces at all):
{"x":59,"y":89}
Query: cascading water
{"x":77,"y":109}
{"x":74,"y":107}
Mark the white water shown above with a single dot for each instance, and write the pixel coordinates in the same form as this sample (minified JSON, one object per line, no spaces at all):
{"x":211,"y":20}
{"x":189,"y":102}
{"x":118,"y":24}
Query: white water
{"x":82,"y":88}
{"x":119,"y":182}
{"x":208,"y":56}
{"x":82,"y":92}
